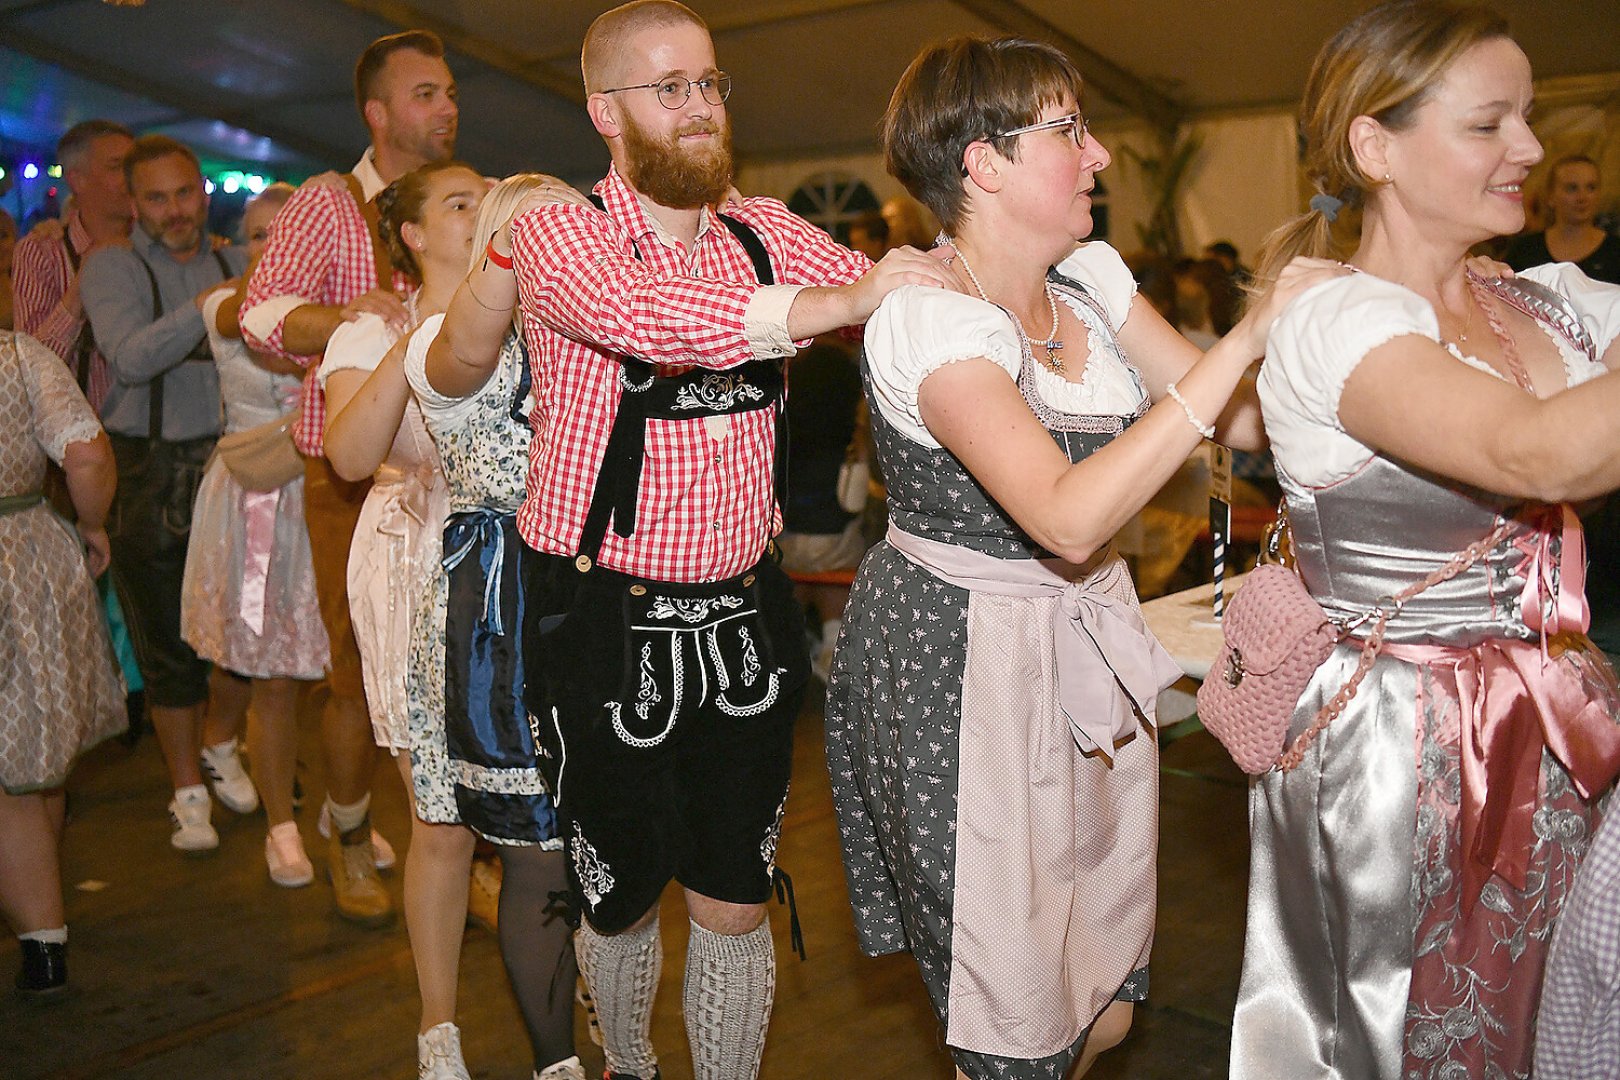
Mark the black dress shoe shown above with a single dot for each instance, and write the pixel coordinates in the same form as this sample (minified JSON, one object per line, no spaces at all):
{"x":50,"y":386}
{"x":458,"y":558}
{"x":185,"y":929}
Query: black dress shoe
{"x":44,"y":969}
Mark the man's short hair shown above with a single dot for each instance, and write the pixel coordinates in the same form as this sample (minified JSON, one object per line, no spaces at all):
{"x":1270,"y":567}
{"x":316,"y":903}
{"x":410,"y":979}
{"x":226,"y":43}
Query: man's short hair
{"x":150,"y":148}
{"x":369,"y":67}
{"x":605,"y":40}
{"x":75,"y":142}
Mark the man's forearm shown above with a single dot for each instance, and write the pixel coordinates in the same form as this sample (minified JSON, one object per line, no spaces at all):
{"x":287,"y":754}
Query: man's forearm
{"x":308,"y":327}
{"x":140,"y":353}
{"x":58,"y":331}
{"x":821,"y":308}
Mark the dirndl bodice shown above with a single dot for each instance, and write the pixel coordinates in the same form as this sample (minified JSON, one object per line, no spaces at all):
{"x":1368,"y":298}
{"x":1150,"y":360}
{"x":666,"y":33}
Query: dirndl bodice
{"x":1385,"y":527}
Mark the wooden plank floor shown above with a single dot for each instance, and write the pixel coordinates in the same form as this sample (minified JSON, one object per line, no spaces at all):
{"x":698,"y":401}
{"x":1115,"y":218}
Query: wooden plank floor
{"x":200,"y":968}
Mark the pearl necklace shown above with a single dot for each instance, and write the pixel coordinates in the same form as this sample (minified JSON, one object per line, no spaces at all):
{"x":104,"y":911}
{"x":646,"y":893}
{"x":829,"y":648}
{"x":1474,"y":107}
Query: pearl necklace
{"x":1052,"y":344}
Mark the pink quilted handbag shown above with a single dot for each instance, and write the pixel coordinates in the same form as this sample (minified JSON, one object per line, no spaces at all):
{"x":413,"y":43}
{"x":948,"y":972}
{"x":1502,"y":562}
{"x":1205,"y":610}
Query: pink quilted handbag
{"x":1276,"y":638}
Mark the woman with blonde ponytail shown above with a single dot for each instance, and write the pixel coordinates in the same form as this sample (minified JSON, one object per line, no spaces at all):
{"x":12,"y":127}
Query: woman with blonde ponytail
{"x":1430,"y":427}
{"x":472,"y":635}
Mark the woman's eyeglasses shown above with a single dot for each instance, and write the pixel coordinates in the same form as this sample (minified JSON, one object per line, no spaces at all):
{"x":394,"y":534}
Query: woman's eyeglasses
{"x":1075,"y":122}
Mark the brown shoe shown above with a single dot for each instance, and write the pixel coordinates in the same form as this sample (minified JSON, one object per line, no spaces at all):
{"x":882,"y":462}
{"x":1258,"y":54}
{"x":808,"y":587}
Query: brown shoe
{"x":351,"y":866}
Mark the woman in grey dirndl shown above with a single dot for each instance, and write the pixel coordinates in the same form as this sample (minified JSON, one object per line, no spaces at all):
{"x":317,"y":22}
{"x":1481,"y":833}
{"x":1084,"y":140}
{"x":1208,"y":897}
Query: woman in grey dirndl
{"x":989,"y":716}
{"x":1408,"y":875}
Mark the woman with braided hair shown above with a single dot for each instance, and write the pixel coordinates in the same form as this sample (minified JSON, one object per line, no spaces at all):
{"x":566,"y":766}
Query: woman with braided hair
{"x":1430,"y":428}
{"x":375,"y":429}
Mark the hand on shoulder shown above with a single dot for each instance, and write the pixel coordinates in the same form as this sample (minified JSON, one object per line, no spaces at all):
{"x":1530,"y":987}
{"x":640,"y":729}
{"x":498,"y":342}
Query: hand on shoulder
{"x":1300,"y":275}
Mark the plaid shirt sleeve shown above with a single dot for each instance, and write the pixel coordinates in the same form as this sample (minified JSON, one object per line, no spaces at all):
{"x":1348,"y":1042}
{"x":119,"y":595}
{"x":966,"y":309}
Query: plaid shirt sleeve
{"x":299,"y":262}
{"x":1578,"y":1027}
{"x":39,"y":275}
{"x":808,"y":254}
{"x":319,"y":253}
{"x":579,"y":277}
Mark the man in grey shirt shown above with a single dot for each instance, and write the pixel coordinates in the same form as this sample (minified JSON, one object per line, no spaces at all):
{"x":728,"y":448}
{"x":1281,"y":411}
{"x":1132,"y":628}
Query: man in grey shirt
{"x":163,"y":415}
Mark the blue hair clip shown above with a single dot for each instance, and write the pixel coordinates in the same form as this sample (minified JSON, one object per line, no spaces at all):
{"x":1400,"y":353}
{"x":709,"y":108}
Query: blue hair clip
{"x":1326,"y":205}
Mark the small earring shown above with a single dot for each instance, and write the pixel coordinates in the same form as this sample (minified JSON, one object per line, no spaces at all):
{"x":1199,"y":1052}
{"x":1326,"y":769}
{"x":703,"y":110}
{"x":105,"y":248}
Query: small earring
{"x":1388,"y":179}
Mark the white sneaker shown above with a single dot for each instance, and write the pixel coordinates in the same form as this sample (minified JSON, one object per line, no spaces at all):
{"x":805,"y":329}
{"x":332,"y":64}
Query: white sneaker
{"x":382,"y":850}
{"x":189,"y":811}
{"x":284,"y":854}
{"x":232,"y":785}
{"x":438,"y":1054}
{"x":570,"y":1069}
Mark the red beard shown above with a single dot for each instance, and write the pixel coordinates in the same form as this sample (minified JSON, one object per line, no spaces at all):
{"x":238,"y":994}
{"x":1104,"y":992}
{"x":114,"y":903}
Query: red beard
{"x":672,"y":175}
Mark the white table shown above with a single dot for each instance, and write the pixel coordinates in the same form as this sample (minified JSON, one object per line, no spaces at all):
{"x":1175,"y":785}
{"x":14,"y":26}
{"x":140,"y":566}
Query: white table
{"x":1185,"y":624}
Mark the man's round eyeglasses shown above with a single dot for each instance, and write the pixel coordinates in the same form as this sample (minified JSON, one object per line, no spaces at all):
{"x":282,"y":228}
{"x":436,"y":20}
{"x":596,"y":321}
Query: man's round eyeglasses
{"x":675,"y":90}
{"x":1075,"y":122}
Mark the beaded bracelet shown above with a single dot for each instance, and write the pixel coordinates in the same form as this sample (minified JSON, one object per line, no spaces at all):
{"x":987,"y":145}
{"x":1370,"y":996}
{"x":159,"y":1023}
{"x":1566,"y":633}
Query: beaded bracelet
{"x":502,"y":261}
{"x":1206,"y":430}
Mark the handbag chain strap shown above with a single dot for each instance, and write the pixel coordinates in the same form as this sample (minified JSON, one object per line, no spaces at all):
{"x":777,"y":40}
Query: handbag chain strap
{"x":1374,"y":644}
{"x":1391,"y":606}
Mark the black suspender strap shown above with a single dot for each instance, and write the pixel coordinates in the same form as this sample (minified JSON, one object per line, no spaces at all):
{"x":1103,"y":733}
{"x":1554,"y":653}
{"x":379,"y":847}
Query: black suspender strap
{"x":85,"y":343}
{"x":154,"y":393}
{"x":755,"y":247}
{"x":643,"y":393}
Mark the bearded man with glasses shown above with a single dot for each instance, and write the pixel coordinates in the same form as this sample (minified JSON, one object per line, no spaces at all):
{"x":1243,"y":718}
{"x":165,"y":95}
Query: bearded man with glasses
{"x":664,"y":652}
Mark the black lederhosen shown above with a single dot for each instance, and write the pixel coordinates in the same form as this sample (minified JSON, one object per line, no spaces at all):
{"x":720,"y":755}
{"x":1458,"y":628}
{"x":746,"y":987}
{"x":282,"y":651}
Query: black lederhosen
{"x":664,"y":711}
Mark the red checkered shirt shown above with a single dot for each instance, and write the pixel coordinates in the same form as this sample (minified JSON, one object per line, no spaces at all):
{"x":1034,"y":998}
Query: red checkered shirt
{"x":40,"y":273}
{"x":707,"y":505}
{"x":319,"y":252}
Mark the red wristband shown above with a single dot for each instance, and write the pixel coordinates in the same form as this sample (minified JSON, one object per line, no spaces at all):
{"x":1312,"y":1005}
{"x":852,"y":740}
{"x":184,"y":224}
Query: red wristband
{"x":502,"y":261}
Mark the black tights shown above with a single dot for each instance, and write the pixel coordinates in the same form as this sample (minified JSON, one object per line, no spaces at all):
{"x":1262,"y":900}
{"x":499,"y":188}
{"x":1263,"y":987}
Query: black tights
{"x":537,"y":946}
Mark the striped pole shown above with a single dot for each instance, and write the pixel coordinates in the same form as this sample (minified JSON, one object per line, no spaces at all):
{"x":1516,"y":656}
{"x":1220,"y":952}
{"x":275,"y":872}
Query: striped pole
{"x":1220,"y":519}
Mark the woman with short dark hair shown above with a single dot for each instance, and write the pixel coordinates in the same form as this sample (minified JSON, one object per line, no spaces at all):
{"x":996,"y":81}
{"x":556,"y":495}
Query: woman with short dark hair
{"x":989,"y":716}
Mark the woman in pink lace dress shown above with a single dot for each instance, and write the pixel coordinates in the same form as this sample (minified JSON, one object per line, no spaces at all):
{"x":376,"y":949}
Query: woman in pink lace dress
{"x":247,"y":603}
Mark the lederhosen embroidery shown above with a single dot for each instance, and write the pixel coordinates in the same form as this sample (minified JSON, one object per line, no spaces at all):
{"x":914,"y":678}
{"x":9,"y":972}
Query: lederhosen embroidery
{"x":692,"y":395}
{"x":711,"y":628}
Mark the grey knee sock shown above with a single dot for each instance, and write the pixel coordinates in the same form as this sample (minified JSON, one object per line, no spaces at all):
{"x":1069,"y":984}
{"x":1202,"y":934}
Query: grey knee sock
{"x":622,"y":972}
{"x":730,"y":984}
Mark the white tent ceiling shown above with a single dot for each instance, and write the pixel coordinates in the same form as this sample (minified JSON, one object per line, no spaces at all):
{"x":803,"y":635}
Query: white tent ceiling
{"x":269,"y":81}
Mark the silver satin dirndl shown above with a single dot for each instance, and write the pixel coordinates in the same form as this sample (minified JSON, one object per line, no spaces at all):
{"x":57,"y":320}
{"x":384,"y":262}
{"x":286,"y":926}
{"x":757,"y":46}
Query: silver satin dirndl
{"x":1366,"y":957}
